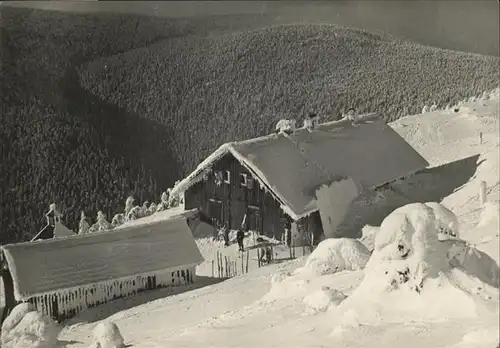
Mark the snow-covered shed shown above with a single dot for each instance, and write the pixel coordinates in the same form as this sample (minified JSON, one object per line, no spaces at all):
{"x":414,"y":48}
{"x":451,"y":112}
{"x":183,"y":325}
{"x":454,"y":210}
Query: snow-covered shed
{"x":54,"y":228}
{"x":274,"y":180}
{"x":65,"y":275}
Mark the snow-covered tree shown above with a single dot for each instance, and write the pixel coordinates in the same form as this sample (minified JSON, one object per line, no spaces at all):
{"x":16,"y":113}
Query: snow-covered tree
{"x":145,"y":209}
{"x":129,"y":204}
{"x":433,"y":108}
{"x":164,"y":201}
{"x":152,"y":208}
{"x":425,"y":109}
{"x":134,"y":214}
{"x":101,"y":224}
{"x":118,"y":220}
{"x":84,"y":226}
{"x":285,"y":125}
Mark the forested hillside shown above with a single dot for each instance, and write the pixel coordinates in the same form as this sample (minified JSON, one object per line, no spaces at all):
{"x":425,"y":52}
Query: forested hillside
{"x":97,"y":107}
{"x":60,"y":144}
{"x":220,"y":88}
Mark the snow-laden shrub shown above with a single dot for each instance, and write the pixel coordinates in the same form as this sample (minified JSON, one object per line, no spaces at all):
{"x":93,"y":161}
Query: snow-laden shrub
{"x":412,"y":275}
{"x":433,"y":108}
{"x":107,"y":335}
{"x":425,"y":109}
{"x":33,"y":330}
{"x":101,"y":224}
{"x":337,"y":254}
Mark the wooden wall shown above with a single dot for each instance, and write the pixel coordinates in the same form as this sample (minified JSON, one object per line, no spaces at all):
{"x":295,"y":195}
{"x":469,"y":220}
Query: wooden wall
{"x":67,"y":303}
{"x":228,"y":203}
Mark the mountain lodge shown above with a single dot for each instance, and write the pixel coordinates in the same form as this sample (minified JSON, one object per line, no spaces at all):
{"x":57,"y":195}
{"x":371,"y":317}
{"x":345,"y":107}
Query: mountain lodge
{"x":274,"y":181}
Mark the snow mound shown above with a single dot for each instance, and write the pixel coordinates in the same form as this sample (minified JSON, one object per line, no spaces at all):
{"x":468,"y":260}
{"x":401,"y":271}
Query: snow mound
{"x":337,"y":254}
{"x":321,"y":300}
{"x":489,"y":214}
{"x":16,"y":315}
{"x":107,"y":335}
{"x":412,"y":275}
{"x":25,"y":328}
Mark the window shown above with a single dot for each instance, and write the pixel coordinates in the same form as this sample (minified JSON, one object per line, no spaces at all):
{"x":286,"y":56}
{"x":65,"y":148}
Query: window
{"x":243,"y":179}
{"x":227,"y":177}
{"x":250,"y":183}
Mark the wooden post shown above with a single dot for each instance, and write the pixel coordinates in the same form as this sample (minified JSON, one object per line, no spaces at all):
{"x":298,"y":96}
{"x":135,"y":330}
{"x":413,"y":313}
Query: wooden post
{"x":243,"y":263}
{"x":258,"y":258}
{"x":212,"y":268}
{"x":225,"y":266}
{"x":248,"y":255}
{"x":482,"y":192}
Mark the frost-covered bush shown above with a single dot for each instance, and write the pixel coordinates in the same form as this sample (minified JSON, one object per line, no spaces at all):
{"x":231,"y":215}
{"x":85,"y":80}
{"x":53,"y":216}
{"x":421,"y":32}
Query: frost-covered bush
{"x":25,"y":328}
{"x":337,"y":254}
{"x":107,"y":335}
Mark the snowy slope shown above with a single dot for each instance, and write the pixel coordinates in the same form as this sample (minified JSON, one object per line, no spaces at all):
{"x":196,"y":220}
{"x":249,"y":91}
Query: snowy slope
{"x":242,"y":312}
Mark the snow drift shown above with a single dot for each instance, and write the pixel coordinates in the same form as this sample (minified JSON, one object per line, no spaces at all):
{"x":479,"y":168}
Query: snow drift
{"x":412,"y":275}
{"x":107,"y":335}
{"x":25,"y":327}
{"x":337,"y":254}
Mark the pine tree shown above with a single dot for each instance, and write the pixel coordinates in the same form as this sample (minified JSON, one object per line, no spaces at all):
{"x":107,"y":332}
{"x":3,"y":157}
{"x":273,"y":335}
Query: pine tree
{"x":83,"y":227}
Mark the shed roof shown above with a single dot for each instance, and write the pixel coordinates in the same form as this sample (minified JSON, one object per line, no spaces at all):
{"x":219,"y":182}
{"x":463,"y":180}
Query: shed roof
{"x":55,"y":264}
{"x":293,"y":166}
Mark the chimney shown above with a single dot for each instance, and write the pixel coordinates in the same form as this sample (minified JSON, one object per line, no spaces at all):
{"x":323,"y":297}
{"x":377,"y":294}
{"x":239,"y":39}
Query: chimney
{"x":311,"y":121}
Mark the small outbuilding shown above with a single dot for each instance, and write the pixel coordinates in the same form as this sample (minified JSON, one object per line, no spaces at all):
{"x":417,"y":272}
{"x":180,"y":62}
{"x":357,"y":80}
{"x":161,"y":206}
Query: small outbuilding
{"x":54,"y":228}
{"x":63,"y":276}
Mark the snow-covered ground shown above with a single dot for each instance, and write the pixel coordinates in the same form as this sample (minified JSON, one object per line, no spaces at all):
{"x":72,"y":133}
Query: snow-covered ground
{"x":287,"y":305}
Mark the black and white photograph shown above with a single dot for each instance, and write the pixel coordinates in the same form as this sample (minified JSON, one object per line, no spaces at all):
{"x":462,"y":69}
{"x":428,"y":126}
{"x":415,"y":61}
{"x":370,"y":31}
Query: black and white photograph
{"x":250,"y":174}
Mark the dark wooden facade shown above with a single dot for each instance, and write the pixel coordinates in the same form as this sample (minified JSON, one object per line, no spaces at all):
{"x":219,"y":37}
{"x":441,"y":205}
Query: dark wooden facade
{"x":227,"y":201}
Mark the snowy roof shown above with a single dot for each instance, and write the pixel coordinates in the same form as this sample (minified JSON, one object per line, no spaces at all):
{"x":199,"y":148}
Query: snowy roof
{"x":50,"y":265}
{"x":167,"y":214}
{"x":57,"y":231}
{"x":293,"y":166}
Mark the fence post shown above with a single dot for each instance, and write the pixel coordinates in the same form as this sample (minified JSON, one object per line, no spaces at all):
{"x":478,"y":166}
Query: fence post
{"x":248,"y":255}
{"x":258,"y":258}
{"x":212,"y":268}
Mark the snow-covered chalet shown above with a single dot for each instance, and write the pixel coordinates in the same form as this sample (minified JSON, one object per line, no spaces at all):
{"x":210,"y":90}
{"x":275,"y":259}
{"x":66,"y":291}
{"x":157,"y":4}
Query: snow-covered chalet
{"x":62,"y":276}
{"x":279,"y":180}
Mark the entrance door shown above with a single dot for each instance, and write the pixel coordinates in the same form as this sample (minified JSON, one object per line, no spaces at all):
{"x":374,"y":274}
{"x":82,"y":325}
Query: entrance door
{"x":216,"y":213}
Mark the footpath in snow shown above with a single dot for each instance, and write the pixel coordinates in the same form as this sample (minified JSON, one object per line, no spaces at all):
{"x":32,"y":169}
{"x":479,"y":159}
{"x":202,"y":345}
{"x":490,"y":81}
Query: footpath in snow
{"x":414,"y":290}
